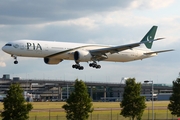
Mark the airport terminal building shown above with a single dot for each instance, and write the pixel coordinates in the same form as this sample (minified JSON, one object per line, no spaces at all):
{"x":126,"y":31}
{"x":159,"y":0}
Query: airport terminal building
{"x":59,"y":90}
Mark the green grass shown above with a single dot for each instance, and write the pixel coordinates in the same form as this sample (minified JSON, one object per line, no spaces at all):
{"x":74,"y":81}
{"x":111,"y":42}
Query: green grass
{"x":58,"y":105}
{"x":42,"y":110}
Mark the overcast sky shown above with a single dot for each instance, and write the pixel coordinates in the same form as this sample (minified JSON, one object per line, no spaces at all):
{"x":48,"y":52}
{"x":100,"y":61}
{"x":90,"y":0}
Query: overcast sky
{"x":114,"y":22}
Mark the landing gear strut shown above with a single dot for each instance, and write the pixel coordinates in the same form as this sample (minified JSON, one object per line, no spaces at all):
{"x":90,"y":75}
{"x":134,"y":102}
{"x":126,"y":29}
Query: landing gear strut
{"x":15,"y":59}
{"x":95,"y":65}
{"x":77,"y":66}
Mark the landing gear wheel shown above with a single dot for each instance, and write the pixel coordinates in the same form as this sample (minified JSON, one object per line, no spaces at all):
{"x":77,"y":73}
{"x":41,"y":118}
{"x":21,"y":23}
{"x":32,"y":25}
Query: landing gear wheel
{"x":81,"y":68}
{"x":94,"y":65}
{"x":77,"y":66}
{"x":16,"y":62}
{"x":98,"y":67}
{"x":73,"y":66}
{"x":91,"y":64}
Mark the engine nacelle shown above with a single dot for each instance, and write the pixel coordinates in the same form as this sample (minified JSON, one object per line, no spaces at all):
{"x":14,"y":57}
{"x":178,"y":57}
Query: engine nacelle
{"x":52,"y":61}
{"x":82,"y":56}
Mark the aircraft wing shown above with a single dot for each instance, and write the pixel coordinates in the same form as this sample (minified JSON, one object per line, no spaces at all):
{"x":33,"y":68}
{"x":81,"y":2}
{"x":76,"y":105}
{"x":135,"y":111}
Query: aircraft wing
{"x":117,"y":49}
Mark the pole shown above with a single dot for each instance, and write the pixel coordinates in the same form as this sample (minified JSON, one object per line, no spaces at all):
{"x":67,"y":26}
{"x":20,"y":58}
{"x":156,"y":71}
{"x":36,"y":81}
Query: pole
{"x":49,"y":115}
{"x":67,"y":92}
{"x":152,"y":102}
{"x":152,"y":91}
{"x":148,"y":113}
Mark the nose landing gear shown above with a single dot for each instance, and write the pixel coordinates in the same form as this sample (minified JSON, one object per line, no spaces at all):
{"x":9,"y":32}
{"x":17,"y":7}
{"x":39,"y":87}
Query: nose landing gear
{"x":15,"y":59}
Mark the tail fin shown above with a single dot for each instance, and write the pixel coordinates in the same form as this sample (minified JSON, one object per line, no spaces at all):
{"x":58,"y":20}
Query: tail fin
{"x":150,"y":36}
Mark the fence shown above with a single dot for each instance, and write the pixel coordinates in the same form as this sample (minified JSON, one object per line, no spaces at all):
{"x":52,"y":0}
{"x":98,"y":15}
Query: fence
{"x":103,"y":114}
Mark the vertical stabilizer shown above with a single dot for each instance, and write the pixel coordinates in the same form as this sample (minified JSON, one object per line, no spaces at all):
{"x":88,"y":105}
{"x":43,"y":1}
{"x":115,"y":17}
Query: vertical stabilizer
{"x":150,"y":36}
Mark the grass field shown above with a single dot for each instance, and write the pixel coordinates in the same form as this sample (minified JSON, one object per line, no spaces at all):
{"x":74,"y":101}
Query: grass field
{"x":102,"y":111}
{"x":58,"y":105}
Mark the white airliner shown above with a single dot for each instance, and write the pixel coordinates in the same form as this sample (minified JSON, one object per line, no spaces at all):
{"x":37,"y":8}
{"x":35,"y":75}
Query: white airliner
{"x":55,"y":52}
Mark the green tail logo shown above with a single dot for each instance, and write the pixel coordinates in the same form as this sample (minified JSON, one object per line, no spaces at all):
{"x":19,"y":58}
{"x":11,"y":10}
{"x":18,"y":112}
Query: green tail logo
{"x":150,"y":36}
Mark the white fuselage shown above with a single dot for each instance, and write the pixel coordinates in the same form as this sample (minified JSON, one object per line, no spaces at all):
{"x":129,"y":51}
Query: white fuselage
{"x":42,"y":49}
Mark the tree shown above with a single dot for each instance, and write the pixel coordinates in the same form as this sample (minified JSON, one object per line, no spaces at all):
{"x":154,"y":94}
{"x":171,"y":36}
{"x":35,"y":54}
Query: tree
{"x":78,"y":105}
{"x":15,"y":106}
{"x":133,"y":104}
{"x":174,"y":105}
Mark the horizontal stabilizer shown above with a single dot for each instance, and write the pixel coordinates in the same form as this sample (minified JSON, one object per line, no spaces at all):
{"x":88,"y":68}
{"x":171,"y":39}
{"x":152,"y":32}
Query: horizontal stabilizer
{"x":158,"y":39}
{"x":152,"y":40}
{"x":149,"y":53}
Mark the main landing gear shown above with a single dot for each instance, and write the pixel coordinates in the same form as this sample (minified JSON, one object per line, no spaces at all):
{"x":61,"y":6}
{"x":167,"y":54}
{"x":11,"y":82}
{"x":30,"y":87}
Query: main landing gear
{"x":15,"y":59}
{"x":77,"y":66}
{"x":95,"y":65}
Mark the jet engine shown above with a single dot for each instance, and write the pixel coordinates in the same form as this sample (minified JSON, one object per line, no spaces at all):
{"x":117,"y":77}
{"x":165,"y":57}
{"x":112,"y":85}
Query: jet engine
{"x":82,"y":56}
{"x":52,"y":61}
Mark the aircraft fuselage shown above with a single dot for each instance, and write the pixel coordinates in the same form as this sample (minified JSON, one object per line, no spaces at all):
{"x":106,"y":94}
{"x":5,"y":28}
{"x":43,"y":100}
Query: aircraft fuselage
{"x":42,"y":49}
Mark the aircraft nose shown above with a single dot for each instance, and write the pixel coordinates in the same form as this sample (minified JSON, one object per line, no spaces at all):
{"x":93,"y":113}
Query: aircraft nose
{"x":6,"y":48}
{"x":3,"y":48}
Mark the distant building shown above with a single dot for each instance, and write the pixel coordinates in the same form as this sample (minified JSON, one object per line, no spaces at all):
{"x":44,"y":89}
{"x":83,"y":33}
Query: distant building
{"x":59,"y":90}
{"x":6,"y":77}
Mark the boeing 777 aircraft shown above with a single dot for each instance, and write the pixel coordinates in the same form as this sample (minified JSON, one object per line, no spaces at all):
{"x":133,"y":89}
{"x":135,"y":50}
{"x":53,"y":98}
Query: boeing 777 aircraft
{"x":56,"y":52}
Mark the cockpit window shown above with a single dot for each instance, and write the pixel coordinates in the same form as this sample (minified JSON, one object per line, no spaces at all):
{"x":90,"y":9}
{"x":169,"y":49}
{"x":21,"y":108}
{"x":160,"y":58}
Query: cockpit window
{"x":8,"y":44}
